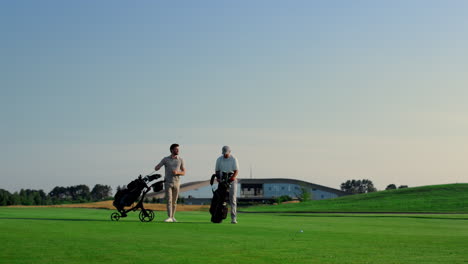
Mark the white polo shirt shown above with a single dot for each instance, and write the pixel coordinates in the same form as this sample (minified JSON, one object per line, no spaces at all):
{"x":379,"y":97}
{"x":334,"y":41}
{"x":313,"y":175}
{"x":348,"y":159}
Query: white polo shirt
{"x":227,"y":165}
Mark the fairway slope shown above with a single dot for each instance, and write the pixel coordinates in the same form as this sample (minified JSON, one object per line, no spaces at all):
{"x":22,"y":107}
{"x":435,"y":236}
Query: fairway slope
{"x":448,"y":198}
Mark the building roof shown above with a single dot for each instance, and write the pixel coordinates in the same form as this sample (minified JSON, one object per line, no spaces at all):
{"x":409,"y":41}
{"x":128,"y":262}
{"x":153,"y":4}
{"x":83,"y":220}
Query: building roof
{"x":198,"y":184}
{"x":292,"y":181}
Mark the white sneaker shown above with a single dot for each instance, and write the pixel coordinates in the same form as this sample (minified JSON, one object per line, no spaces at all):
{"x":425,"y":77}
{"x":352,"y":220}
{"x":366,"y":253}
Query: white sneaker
{"x":169,"y":220}
{"x":233,"y":221}
{"x":174,"y":220}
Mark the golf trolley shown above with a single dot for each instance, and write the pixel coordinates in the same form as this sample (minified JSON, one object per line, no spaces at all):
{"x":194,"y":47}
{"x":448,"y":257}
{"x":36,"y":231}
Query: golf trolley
{"x":136,"y":191}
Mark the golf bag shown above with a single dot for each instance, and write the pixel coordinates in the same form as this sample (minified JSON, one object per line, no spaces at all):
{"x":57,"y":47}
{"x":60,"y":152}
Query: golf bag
{"x":218,"y":208}
{"x":126,"y":197}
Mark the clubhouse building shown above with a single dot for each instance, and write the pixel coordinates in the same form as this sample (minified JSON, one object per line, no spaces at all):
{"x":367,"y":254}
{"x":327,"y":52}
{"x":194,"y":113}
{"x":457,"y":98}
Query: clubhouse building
{"x":254,"y":190}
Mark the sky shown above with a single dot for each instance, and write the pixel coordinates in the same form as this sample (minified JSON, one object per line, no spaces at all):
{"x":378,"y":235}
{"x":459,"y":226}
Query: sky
{"x":322,"y":91}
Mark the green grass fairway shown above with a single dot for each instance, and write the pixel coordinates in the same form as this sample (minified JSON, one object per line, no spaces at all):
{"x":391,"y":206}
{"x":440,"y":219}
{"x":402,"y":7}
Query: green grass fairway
{"x":448,"y":198}
{"x":60,"y":235}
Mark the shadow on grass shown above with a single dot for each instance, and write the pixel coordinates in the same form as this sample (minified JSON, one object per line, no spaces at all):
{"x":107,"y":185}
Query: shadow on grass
{"x":92,"y":220}
{"x":178,"y":223}
{"x":373,"y":216}
{"x":61,"y":219}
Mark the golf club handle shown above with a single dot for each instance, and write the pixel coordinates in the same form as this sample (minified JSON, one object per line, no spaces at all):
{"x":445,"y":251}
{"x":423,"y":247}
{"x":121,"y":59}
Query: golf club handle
{"x":212,"y":179}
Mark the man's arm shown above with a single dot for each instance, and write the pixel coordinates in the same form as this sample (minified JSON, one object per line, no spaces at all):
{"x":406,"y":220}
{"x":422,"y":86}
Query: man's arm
{"x":217,"y":170}
{"x":233,"y":177}
{"x":160,"y":164}
{"x":235,"y":170}
{"x":180,"y":172}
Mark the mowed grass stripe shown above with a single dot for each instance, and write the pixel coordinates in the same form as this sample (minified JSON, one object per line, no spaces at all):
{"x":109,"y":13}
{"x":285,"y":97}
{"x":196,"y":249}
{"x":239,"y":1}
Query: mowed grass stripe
{"x":66,"y":236}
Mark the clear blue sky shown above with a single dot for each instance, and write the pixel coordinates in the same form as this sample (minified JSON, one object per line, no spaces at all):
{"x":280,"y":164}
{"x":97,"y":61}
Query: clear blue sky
{"x":325,"y":91}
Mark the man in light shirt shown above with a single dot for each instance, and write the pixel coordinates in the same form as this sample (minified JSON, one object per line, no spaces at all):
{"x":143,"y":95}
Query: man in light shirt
{"x":175,"y":167}
{"x":228,"y":163}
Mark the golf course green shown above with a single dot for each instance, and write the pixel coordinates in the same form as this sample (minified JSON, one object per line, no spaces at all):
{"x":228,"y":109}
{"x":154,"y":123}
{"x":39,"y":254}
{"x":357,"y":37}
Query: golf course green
{"x":70,"y":235}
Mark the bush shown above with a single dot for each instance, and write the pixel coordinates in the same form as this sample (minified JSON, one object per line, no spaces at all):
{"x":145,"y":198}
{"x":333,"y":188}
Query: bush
{"x":358,"y":186}
{"x":181,"y":200}
{"x":283,"y":198}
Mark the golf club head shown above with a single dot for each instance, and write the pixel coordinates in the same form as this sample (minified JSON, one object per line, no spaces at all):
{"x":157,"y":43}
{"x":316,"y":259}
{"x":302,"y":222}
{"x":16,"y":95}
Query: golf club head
{"x":153,"y":177}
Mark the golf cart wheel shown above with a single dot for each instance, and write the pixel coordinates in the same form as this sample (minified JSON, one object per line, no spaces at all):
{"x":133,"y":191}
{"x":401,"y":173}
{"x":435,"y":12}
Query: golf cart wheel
{"x":146,"y":215}
{"x":115,"y":216}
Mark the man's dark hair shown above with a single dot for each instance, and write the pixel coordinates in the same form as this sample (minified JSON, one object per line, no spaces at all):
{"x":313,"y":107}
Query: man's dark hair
{"x":173,"y":146}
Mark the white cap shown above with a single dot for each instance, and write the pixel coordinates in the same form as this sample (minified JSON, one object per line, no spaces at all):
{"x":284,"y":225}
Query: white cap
{"x":226,"y":150}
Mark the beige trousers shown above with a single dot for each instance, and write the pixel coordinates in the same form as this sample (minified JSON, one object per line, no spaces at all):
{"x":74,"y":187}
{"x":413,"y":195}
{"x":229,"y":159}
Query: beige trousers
{"x":172,"y":193}
{"x":233,"y":200}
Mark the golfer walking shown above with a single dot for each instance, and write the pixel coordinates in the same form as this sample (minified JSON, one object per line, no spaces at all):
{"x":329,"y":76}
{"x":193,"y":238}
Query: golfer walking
{"x":174,"y":166}
{"x":228,"y":163}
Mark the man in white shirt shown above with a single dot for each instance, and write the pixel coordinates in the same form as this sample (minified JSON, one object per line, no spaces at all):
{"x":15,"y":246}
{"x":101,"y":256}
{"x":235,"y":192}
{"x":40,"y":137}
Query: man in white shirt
{"x":228,"y":163}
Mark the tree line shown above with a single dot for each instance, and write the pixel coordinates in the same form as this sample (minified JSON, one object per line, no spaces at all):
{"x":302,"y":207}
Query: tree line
{"x":364,"y":186}
{"x":71,"y":194}
{"x":82,"y":193}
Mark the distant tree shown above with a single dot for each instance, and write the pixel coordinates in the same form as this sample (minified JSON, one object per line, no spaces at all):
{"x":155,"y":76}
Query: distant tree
{"x":358,"y":186}
{"x":43,"y":197}
{"x":100,"y":192}
{"x":26,"y":197}
{"x":33,"y":197}
{"x":154,"y":200}
{"x":80,"y":193}
{"x":76,"y":193}
{"x":4,"y":197}
{"x":59,"y":193}
{"x":304,"y":195}
{"x":403,"y":186}
{"x":391,"y":187}
{"x":39,"y":197}
{"x":15,"y":199}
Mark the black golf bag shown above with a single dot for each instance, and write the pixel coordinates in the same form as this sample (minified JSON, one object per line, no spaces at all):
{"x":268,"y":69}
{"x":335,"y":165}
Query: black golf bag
{"x":218,"y":208}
